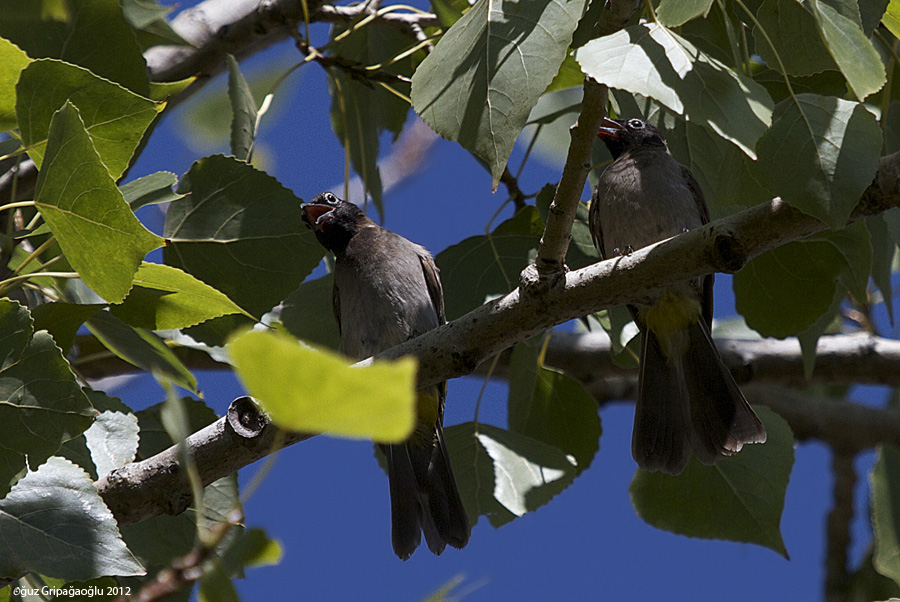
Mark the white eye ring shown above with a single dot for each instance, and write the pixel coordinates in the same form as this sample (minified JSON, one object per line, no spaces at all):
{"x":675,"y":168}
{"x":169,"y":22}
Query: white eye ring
{"x":636,"y":124}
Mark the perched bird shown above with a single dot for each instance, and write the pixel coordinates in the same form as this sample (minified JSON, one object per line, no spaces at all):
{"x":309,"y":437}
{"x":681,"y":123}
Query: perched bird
{"x":687,"y":398}
{"x":386,"y":291}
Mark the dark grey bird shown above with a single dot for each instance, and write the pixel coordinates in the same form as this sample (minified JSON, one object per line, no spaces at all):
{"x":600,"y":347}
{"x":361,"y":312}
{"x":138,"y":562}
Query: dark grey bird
{"x":386,"y":291}
{"x":687,"y":398}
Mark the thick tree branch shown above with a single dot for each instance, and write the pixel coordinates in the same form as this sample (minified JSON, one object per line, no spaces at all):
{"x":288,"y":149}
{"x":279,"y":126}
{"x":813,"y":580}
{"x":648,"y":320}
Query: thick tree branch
{"x":158,"y":485}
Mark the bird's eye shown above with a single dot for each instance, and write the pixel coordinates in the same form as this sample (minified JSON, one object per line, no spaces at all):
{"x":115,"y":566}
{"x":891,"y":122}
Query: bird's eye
{"x":330,"y":198}
{"x":636,"y":124}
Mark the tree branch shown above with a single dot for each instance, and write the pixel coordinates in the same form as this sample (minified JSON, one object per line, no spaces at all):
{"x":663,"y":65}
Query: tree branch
{"x":158,"y":485}
{"x":725,"y":245}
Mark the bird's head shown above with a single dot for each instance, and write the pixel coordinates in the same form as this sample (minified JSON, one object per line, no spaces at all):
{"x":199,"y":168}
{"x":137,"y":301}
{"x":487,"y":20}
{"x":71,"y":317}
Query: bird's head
{"x":620,"y":135}
{"x":334,"y":221}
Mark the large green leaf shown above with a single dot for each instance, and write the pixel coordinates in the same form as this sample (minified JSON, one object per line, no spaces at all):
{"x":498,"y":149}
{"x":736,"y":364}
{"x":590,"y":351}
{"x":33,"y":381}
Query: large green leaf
{"x":303,"y":389}
{"x":884,"y":249}
{"x":820,"y":155}
{"x":724,"y":173}
{"x":243,"y":112}
{"x":41,"y":404}
{"x":239,"y":231}
{"x":679,"y":76}
{"x":140,"y":348}
{"x":483,"y":78}
{"x":785,"y":291}
{"x":886,"y":512}
{"x":739,"y":498}
{"x":54,"y":523}
{"x":850,"y":47}
{"x":100,"y":236}
{"x":114,"y":117}
{"x":62,"y":320}
{"x":90,"y":33}
{"x":165,"y":298}
{"x":152,"y":189}
{"x":488,"y":265}
{"x":793,"y":31}
{"x":502,"y":474}
{"x":12,"y":62}
{"x":678,"y":12}
{"x":550,"y":407}
{"x":360,"y":110}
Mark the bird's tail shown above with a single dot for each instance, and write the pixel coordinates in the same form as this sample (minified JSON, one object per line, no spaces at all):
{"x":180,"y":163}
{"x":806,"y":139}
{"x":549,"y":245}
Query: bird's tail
{"x":661,"y":438}
{"x":722,"y":419}
{"x":424,"y":498}
{"x":688,"y":401}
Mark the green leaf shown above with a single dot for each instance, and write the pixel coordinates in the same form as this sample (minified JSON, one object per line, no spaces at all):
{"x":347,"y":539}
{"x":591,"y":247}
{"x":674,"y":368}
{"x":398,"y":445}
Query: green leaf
{"x":851,"y":49}
{"x":12,"y":62}
{"x":679,"y":76}
{"x":884,"y":248}
{"x":240,"y":231}
{"x":794,"y":32}
{"x":76,"y":450}
{"x":568,"y":76}
{"x":891,"y":18}
{"x":551,"y":407}
{"x":739,"y":498}
{"x":140,"y":348}
{"x":62,"y":320}
{"x":360,"y":110}
{"x":318,"y":391}
{"x":165,"y":298}
{"x":784,"y":291}
{"x":149,"y":23}
{"x":448,"y":12}
{"x":886,"y":512}
{"x":89,"y":33}
{"x":304,"y":313}
{"x":488,"y":265}
{"x":112,"y":440}
{"x":114,"y":117}
{"x":503,"y":475}
{"x":150,"y":190}
{"x":55,"y":524}
{"x":42,"y":404}
{"x":101,"y":238}
{"x":820,"y":155}
{"x":725,"y":174}
{"x":674,"y":13}
{"x":482,"y":79}
{"x":243,"y":112}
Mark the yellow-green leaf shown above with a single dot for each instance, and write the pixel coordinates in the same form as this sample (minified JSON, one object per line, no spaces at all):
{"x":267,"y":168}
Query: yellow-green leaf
{"x":305,"y":389}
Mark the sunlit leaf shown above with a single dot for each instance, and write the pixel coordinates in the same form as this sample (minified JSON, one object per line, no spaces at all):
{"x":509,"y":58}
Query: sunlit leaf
{"x":100,"y":236}
{"x":303,"y":389}
{"x":679,"y":76}
{"x":487,"y":72}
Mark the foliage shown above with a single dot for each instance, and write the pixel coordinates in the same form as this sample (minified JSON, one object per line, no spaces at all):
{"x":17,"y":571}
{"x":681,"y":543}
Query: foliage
{"x":759,"y":98}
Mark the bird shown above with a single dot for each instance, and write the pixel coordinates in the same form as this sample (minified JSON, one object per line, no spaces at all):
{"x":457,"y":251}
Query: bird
{"x":687,"y":398}
{"x":387,"y":290}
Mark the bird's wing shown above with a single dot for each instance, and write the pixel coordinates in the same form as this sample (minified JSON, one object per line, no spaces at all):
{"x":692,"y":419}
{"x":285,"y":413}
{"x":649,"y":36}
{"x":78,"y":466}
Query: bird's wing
{"x":433,"y":281}
{"x":336,"y":306}
{"x":698,"y":194}
{"x":594,"y":223}
{"x":706,"y":297}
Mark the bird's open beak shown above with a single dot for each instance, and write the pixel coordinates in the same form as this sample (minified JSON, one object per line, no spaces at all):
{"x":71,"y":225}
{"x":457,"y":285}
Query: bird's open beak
{"x":610,"y":128}
{"x":316,"y":215}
